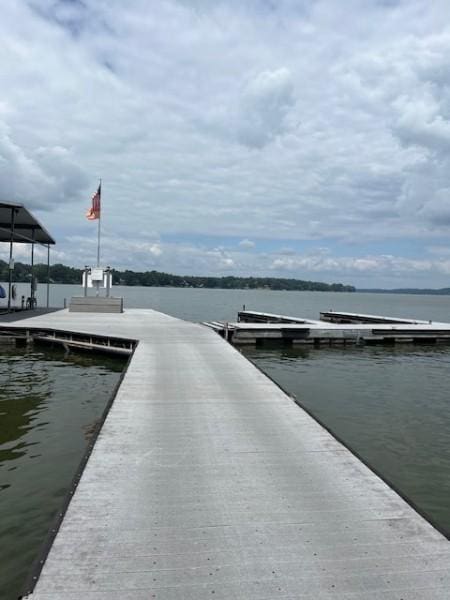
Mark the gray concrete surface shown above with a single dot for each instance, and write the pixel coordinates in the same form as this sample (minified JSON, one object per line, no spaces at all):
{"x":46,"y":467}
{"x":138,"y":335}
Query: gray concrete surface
{"x":207,"y":481}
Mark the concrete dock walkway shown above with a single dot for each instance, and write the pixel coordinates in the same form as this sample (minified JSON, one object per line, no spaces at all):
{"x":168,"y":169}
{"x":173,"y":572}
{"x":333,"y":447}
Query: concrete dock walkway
{"x":207,"y":481}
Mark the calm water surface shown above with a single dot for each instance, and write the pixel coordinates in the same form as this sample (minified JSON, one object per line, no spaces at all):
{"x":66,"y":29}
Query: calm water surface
{"x":203,"y":304}
{"x":49,"y":406}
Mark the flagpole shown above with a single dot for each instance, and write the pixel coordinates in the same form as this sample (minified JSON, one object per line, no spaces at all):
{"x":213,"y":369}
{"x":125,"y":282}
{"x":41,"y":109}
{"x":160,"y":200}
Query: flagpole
{"x":99,"y":227}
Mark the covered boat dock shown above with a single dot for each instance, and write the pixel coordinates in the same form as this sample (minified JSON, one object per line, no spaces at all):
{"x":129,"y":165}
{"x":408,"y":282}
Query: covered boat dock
{"x":18,"y":225}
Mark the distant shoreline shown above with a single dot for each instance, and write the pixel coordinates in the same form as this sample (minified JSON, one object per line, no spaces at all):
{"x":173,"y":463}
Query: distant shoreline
{"x":62,"y":274}
{"x":410,"y":291}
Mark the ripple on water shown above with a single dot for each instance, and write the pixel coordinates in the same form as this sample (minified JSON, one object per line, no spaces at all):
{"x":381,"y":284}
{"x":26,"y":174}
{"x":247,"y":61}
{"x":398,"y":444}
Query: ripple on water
{"x":48,"y":406}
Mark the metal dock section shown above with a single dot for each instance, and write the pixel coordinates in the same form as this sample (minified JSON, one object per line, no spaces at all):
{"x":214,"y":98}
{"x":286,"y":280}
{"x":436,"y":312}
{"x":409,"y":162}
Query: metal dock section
{"x":346,"y":317}
{"x":253,"y":316}
{"x":209,"y":482}
{"x":334,"y":328}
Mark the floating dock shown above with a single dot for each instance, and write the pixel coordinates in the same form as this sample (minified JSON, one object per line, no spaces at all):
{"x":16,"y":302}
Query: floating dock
{"x":208,"y":482}
{"x":333,"y":328}
{"x":347,"y":317}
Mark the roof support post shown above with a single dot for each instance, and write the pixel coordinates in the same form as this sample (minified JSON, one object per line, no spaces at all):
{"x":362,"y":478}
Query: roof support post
{"x":48,"y":275}
{"x":10,"y":266}
{"x":32,"y":290}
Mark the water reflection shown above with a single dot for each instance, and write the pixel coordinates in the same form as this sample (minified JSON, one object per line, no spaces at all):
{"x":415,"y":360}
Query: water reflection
{"x":24,"y":391}
{"x":49,"y":405}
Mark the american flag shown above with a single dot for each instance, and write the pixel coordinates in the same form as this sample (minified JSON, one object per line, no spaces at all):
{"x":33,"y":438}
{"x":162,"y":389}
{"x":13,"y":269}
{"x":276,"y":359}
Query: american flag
{"x":94,"y":212}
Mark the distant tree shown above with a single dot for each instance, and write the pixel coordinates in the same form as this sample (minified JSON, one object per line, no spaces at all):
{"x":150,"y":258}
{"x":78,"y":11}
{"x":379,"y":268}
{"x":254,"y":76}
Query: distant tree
{"x":60,"y":273}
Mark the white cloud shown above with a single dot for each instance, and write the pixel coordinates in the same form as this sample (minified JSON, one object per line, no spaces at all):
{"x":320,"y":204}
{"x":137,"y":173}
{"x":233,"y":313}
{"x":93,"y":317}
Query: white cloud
{"x":372,"y":268}
{"x":252,"y":120}
{"x":246,"y":244}
{"x":227,"y":263}
{"x":439,"y":250}
{"x":264,"y":106}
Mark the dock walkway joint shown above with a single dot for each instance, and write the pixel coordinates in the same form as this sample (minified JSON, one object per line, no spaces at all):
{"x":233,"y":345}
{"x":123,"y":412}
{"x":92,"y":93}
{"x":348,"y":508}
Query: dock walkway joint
{"x":207,"y":481}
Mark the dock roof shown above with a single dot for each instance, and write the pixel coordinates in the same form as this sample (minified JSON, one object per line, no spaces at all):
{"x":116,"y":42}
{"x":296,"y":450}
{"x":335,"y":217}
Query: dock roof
{"x":27,"y":229}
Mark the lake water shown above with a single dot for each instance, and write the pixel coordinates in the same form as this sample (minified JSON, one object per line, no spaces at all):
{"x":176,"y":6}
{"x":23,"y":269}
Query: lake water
{"x":49,"y":406}
{"x":204,"y":304}
{"x":391,"y":405}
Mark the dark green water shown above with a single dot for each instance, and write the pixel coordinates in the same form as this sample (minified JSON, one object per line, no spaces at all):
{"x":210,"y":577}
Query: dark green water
{"x":49,"y":406}
{"x":391,"y":405}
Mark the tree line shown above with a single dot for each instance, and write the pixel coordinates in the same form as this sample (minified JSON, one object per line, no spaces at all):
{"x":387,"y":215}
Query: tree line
{"x":63,"y":274}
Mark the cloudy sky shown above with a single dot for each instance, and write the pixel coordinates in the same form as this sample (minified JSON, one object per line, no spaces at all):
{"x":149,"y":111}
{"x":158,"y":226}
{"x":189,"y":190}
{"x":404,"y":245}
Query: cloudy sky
{"x":292,"y":138}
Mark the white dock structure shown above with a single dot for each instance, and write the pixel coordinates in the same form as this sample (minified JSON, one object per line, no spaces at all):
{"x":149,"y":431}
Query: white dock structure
{"x":208,"y":482}
{"x":333,"y":328}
